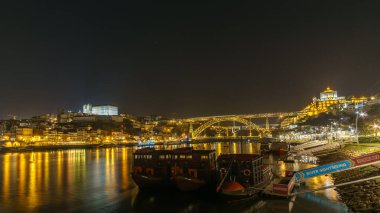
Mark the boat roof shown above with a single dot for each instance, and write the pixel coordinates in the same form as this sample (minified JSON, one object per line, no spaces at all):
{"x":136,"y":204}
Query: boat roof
{"x":183,"y":150}
{"x":241,"y":157}
{"x":190,"y":150}
{"x":204,"y":151}
{"x":144,"y":151}
{"x":153,"y":151}
{"x":186,"y":150}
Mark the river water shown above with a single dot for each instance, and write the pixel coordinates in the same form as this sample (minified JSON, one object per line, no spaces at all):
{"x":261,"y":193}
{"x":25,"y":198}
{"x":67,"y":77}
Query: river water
{"x":98,"y":180}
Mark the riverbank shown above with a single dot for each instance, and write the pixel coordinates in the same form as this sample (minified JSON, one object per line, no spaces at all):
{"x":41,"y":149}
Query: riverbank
{"x":359,"y":197}
{"x":60,"y":147}
{"x":5,"y":149}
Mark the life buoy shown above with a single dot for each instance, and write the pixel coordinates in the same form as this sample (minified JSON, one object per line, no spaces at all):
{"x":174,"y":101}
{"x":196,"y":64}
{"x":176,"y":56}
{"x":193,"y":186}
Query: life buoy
{"x":247,"y":172}
{"x":223,"y":171}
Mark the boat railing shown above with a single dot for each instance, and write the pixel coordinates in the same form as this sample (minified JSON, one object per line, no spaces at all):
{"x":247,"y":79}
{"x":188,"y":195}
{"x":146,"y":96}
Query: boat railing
{"x":267,"y":171}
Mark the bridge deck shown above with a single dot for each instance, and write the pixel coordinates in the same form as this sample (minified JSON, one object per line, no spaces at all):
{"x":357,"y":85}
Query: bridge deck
{"x":259,"y":115}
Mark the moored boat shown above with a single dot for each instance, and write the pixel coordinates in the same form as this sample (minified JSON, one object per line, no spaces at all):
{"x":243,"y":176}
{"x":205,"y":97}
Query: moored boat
{"x":241,"y":175}
{"x":265,"y":147}
{"x":151,"y":168}
{"x":193,"y":169}
{"x":280,"y":148}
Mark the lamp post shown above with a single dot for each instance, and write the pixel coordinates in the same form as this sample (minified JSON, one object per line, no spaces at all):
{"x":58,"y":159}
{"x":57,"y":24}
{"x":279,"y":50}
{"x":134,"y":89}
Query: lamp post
{"x":376,"y":129}
{"x":332,"y":131}
{"x":358,"y":114}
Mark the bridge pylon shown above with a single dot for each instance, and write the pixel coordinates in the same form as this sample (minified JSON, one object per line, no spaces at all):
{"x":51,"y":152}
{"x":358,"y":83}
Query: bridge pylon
{"x":250,"y":128}
{"x":191,"y":130}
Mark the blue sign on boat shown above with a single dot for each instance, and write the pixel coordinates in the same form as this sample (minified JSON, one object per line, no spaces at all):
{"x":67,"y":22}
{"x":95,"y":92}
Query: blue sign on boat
{"x":322,"y":170}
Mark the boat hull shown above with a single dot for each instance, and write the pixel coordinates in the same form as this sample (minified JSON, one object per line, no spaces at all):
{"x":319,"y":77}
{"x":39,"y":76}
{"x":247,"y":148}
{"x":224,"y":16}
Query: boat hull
{"x":237,"y":195}
{"x":146,"y":182}
{"x":188,"y":184}
{"x":238,"y":192}
{"x":234,"y":190}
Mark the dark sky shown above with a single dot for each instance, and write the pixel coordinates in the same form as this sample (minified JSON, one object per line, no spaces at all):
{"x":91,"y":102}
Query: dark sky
{"x":187,"y":58}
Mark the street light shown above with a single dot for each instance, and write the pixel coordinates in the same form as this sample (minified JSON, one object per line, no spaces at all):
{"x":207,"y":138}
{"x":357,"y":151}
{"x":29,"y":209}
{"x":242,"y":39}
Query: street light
{"x":332,"y":131}
{"x":362,"y":115}
{"x":376,"y":128}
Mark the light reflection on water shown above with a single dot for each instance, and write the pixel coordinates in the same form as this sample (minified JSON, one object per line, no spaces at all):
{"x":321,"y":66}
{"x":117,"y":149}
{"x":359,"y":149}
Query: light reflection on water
{"x":98,"y":180}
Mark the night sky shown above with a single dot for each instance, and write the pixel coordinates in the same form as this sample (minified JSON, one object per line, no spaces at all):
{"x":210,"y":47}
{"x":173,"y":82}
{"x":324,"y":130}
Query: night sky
{"x":185,"y":58}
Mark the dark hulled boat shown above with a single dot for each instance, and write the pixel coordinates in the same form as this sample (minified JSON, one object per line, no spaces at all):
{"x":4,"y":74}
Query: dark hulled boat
{"x":241,"y":175}
{"x":193,"y":169}
{"x":152,"y":168}
{"x":265,"y":147}
{"x":280,"y":148}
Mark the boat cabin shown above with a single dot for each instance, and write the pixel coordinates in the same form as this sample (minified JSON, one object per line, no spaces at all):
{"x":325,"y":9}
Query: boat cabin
{"x":246,"y":169}
{"x":191,"y":163}
{"x":152,"y":162}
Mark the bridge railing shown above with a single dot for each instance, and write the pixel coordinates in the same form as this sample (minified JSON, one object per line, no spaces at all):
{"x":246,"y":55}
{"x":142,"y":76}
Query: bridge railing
{"x":259,"y":115}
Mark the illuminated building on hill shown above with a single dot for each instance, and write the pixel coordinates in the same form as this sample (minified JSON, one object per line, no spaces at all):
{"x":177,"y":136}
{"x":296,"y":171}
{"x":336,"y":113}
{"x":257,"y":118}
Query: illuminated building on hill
{"x":330,"y":94}
{"x":100,"y":110}
{"x":327,"y":100}
{"x":87,"y":108}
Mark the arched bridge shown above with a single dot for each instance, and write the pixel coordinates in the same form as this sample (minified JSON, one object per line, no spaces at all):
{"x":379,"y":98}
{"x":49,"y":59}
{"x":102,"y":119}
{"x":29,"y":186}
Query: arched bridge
{"x":244,"y":119}
{"x":215,"y":120}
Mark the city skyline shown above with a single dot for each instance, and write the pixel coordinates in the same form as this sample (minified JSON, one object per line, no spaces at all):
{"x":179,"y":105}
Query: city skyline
{"x":185,"y":59}
{"x":190,"y":106}
{"x":108,"y":109}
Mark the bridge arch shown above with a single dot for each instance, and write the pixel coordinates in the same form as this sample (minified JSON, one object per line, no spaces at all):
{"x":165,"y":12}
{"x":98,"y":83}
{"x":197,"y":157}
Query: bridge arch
{"x":209,"y":123}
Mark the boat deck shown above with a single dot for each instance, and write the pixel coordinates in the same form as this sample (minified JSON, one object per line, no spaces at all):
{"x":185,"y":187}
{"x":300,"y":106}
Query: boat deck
{"x":268,"y":191}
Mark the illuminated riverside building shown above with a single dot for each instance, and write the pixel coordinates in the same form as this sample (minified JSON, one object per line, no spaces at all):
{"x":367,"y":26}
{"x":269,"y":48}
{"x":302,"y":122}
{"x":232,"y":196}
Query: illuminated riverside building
{"x":54,"y":137}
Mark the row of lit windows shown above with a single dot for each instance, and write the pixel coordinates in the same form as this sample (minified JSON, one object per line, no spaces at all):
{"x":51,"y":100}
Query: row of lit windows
{"x":143,"y":156}
{"x":204,"y":157}
{"x":162,"y":157}
{"x":183,"y":157}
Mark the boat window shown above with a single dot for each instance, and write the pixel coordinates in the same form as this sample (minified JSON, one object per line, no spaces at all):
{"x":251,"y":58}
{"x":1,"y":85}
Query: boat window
{"x":204,"y":157}
{"x":168,"y":157}
{"x":182,"y":157}
{"x":162,"y":157}
{"x":189,"y":156}
{"x":149,"y":157}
